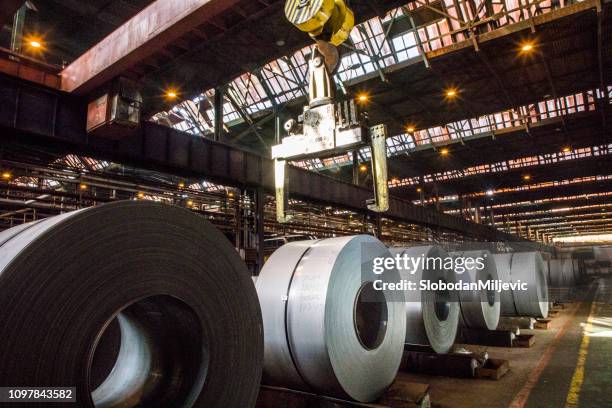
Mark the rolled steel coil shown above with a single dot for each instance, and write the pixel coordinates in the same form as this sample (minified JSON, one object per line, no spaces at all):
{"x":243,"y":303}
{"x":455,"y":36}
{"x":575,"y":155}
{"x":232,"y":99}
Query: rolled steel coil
{"x":561,"y":273}
{"x":325,"y":329}
{"x":134,"y":304}
{"x":503,"y":262}
{"x":432,"y":316}
{"x":524,"y":267}
{"x":577,"y":268}
{"x":480,"y":309}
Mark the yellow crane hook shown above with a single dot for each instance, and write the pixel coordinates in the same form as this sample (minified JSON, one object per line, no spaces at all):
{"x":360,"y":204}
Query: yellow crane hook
{"x":324,"y":20}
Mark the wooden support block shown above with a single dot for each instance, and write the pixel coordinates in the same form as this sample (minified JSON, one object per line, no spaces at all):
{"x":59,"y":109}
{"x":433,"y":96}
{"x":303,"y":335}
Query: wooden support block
{"x":521,"y":322}
{"x":543,"y":324}
{"x":493,"y":338}
{"x":423,"y":360}
{"x":524,"y":340}
{"x":404,"y":394}
{"x":493,"y":369}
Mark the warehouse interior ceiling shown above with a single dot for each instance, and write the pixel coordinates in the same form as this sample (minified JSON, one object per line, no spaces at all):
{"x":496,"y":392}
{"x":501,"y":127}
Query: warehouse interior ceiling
{"x":497,"y":111}
{"x":71,"y":27}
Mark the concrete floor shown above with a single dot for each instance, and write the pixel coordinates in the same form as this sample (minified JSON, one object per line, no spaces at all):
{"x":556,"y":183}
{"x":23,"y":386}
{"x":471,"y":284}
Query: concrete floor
{"x":570,"y":365}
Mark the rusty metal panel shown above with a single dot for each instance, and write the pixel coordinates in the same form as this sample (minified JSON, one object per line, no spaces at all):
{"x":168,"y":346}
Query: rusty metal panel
{"x":97,"y":111}
{"x":149,"y":31}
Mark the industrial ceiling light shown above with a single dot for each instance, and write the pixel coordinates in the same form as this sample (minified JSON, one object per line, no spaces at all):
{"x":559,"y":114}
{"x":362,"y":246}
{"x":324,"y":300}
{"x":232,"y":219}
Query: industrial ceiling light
{"x":230,"y":194}
{"x":451,"y":93}
{"x":527,"y":177}
{"x":141,"y":195}
{"x":34,"y":42}
{"x":181,"y":184}
{"x":567,"y":149}
{"x":363,"y":98}
{"x":363,"y":168}
{"x":189,"y":203}
{"x":490,"y":193}
{"x":6,"y":175}
{"x":419,"y":189}
{"x":171,"y":94}
{"x":410,"y":129}
{"x":527,"y":46}
{"x":83,"y":186}
{"x":444,"y":152}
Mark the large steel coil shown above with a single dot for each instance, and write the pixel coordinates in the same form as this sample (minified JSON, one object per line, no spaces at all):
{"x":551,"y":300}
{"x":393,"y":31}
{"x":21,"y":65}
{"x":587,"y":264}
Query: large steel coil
{"x":527,"y":268}
{"x":325,"y":329}
{"x":503,"y":262}
{"x":132,"y":303}
{"x":432,"y":316}
{"x":577,"y":269}
{"x":561,"y":273}
{"x":480,"y":309}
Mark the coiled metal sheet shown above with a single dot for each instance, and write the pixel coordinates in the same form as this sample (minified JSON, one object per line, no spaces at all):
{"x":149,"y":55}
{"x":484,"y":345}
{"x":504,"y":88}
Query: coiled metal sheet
{"x":480,"y":309}
{"x":529,"y":267}
{"x":132,"y":303}
{"x":503,"y":262}
{"x":561,"y":273}
{"x":432,"y":317}
{"x":561,"y":279}
{"x":320,"y":334}
{"x":525,"y":267}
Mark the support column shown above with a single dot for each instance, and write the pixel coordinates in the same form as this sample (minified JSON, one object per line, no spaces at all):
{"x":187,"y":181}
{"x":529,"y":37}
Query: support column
{"x":17,"y":33}
{"x":218,"y":110}
{"x":260,"y":198}
{"x":355,"y":168}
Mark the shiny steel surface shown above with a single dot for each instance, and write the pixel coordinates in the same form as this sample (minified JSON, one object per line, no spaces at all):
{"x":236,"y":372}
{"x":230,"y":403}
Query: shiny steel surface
{"x":126,"y":302}
{"x":529,"y":267}
{"x":503,"y":263}
{"x":526,"y":267}
{"x":322,"y":323}
{"x":479,"y":309}
{"x":432,"y":317}
{"x":272,"y":287}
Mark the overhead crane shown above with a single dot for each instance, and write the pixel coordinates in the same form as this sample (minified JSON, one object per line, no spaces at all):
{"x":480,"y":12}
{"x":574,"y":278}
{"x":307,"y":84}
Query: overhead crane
{"x":329,"y":125}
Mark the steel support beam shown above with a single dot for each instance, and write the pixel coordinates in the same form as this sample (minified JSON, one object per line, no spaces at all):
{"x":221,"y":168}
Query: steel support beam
{"x":159,"y":24}
{"x":35,"y":115}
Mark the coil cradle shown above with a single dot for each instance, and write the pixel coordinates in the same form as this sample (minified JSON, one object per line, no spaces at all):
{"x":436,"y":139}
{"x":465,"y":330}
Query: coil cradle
{"x":126,"y":303}
{"x":432,"y":316}
{"x":325,"y":329}
{"x":480,"y":309}
{"x":528,"y":268}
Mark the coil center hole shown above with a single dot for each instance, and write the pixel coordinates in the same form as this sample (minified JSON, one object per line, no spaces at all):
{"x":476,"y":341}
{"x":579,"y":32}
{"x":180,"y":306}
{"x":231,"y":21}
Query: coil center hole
{"x":370,"y":316}
{"x":490,"y":293}
{"x":442,"y":303}
{"x":151,"y":354}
